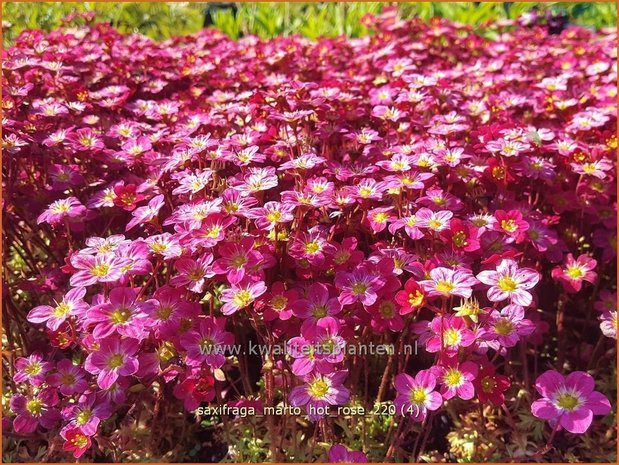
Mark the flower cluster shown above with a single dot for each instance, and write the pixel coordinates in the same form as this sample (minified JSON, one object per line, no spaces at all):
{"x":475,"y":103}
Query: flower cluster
{"x":424,"y":185}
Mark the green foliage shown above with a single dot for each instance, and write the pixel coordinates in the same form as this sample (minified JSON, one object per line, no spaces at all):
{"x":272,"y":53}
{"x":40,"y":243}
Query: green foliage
{"x":164,"y":20}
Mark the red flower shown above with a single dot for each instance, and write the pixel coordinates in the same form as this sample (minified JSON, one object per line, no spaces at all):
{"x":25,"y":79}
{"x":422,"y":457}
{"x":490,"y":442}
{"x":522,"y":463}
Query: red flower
{"x":76,"y":441}
{"x":491,"y":386}
{"x":127,"y":196}
{"x":411,"y":298}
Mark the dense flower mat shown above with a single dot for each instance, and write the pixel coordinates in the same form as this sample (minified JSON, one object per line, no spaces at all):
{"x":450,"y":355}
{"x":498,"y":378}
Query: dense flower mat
{"x":167,"y":203}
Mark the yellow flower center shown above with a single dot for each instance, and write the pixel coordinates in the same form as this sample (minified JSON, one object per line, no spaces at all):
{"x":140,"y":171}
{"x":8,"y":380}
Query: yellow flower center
{"x":158,"y":247}
{"x":60,"y":208}
{"x":80,"y":441}
{"x":459,"y":239}
{"x":196,"y":274}
{"x":434,"y":224}
{"x":452,"y":337}
{"x":164,"y":312}
{"x":488,"y":383}
{"x":415,"y":298}
{"x":320,"y":311}
{"x":61,"y":310}
{"x":387,"y":310}
{"x":238,"y":261}
{"x":509,"y":225}
{"x":35,"y":407}
{"x":365,"y":191}
{"x":83,"y":417}
{"x":318,"y":388}
{"x":453,"y":377}
{"x":507,"y":284}
{"x":33,"y":368}
{"x":279,"y":302}
{"x":120,"y":316}
{"x":67,"y":379}
{"x":115,"y":361}
{"x":312,"y":247}
{"x":380,"y":217}
{"x":444,"y":286}
{"x":418,"y":396}
{"x":503,"y":327}
{"x":589,"y":168}
{"x":574,"y":272}
{"x":274,"y":216}
{"x":213,"y":232}
{"x":359,"y":288}
{"x":242,"y":298}
{"x":568,"y":401}
{"x":100,"y":270}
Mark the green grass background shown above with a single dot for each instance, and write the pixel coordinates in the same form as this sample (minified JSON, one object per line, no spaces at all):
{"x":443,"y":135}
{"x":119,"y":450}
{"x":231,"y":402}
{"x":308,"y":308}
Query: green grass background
{"x":163,"y":20}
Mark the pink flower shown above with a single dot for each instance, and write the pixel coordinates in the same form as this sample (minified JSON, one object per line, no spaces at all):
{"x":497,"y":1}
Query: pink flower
{"x":122,"y":314}
{"x":449,"y":333}
{"x":571,"y":401}
{"x":312,"y":246}
{"x":69,"y":378}
{"x":446,"y":282}
{"x":318,"y":303}
{"x":236,"y":259}
{"x":456,"y":378}
{"x":320,"y":391}
{"x":114,"y":358}
{"x":508,"y":326}
{"x":510,"y":282}
{"x":143,"y":215}
{"x":574,"y":272}
{"x":102,"y":268}
{"x":207,"y":343}
{"x":241,"y":295}
{"x":416,"y":396}
{"x":57,"y":211}
{"x":192,"y":274}
{"x":35,"y":410}
{"x":72,"y":304}
{"x":358,"y":286}
{"x":31,"y":369}
{"x":271,"y":214}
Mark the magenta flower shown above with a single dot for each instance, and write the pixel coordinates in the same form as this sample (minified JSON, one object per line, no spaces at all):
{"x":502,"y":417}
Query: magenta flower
{"x":72,"y":304}
{"x":338,"y":453}
{"x":114,"y":358}
{"x":574,"y":272}
{"x":271,"y":214}
{"x":87,"y":413}
{"x":241,"y":295}
{"x":510,"y":282}
{"x":31,"y":369}
{"x":236,"y":259}
{"x":35,"y":410}
{"x":446,"y":282}
{"x":319,"y":347}
{"x":320,"y":391}
{"x":68,"y":378}
{"x":122,"y":314}
{"x":193,"y":274}
{"x":57,"y":211}
{"x":312,"y":246}
{"x":143,"y":215}
{"x":318,"y":303}
{"x":457,"y":378}
{"x":207,"y":343}
{"x":569,"y":401}
{"x":508,"y":326}
{"x":416,"y":396}
{"x":358,"y":286}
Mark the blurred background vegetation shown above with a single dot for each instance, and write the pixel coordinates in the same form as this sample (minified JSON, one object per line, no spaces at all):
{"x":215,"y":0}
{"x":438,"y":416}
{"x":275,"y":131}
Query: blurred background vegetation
{"x":163,"y":20}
